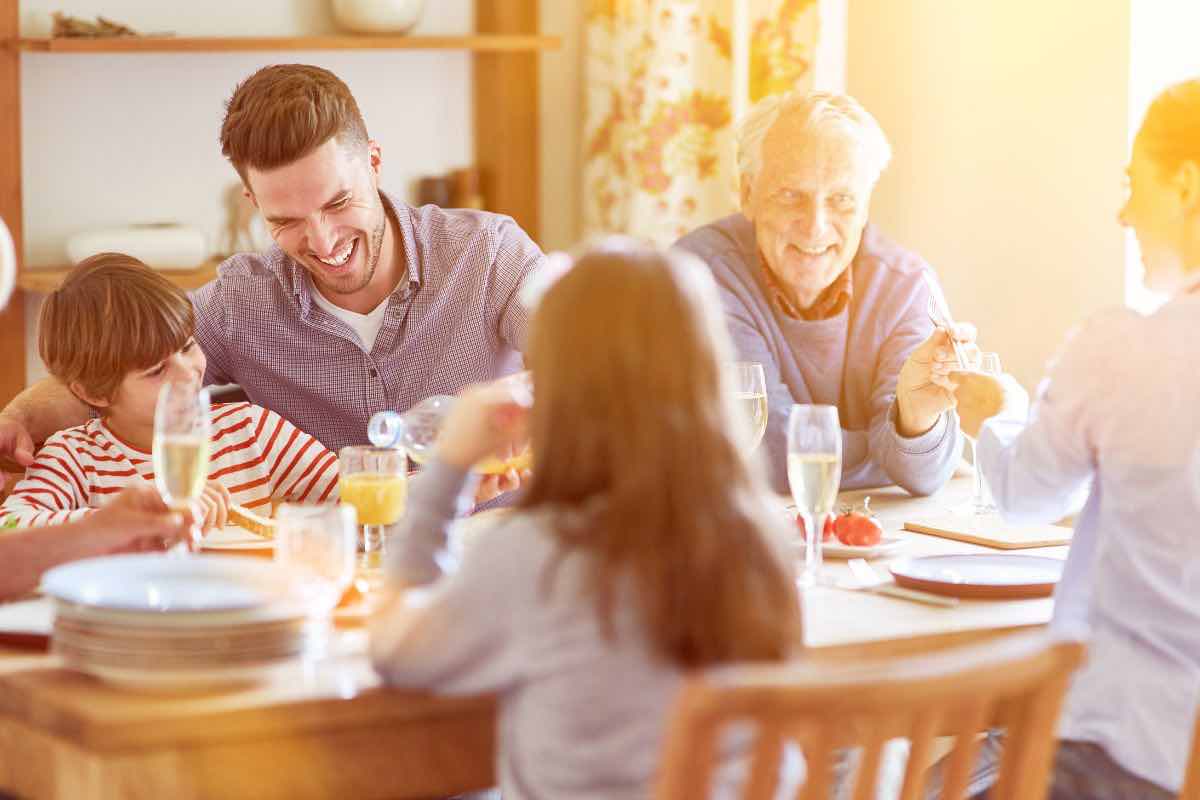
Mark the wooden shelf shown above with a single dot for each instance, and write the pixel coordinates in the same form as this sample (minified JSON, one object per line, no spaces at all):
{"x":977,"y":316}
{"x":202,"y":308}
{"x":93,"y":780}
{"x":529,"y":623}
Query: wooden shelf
{"x":484,"y":43}
{"x":44,"y":281}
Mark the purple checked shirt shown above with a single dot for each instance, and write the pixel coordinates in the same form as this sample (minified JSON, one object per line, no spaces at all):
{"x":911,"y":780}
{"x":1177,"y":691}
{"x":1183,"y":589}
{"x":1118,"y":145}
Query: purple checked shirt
{"x":455,"y":319}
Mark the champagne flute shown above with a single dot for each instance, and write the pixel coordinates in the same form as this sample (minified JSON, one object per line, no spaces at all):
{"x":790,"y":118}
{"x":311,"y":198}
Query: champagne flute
{"x":750,"y":384}
{"x":182,"y":431}
{"x":319,"y":544}
{"x":814,"y":474}
{"x":375,"y":481}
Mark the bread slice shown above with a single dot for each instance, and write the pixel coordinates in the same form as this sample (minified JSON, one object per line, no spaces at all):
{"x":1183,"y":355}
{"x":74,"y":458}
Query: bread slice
{"x":256,"y":524}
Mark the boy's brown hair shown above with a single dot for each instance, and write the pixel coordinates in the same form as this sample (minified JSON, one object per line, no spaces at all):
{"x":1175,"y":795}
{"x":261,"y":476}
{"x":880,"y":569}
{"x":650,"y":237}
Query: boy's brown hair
{"x":111,"y":316}
{"x":283,"y":112}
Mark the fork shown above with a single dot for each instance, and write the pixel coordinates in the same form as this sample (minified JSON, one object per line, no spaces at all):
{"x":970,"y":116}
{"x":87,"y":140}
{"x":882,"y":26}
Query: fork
{"x":939,"y":315}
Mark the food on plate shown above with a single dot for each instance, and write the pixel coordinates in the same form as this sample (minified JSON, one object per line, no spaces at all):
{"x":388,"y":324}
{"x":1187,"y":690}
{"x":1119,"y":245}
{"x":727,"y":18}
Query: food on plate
{"x":858,"y":528}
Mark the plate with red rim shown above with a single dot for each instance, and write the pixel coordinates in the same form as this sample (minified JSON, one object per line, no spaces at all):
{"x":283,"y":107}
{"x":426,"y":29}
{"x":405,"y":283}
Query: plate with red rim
{"x":980,"y":575}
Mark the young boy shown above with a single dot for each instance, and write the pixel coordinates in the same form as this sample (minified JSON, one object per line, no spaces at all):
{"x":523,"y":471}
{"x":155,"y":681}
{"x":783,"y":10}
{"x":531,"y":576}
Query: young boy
{"x":114,"y":333}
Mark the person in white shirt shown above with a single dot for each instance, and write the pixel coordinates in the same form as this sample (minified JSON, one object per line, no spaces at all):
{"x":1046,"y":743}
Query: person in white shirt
{"x":1119,"y":416}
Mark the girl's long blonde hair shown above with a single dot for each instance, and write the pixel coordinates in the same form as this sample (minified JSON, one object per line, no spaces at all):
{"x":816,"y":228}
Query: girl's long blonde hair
{"x":635,"y":418}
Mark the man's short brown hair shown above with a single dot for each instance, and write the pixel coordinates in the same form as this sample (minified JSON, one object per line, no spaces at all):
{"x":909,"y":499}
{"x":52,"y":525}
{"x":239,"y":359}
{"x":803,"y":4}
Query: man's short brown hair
{"x":283,"y":112}
{"x":111,"y":316}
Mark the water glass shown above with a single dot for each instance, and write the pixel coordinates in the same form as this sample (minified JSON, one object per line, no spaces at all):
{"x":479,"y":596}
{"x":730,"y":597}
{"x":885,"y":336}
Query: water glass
{"x":814,"y":475}
{"x":750,"y":385}
{"x":319,"y":544}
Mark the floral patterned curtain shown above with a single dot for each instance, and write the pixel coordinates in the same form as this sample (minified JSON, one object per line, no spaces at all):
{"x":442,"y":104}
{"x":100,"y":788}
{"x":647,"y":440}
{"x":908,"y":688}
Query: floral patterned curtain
{"x":666,"y":79}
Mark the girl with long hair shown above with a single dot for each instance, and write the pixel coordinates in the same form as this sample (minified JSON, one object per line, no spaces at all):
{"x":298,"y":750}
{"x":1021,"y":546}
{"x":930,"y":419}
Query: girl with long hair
{"x":646,"y":543}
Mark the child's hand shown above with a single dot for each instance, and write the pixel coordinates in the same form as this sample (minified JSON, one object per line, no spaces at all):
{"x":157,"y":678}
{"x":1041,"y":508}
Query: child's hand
{"x":213,"y":511}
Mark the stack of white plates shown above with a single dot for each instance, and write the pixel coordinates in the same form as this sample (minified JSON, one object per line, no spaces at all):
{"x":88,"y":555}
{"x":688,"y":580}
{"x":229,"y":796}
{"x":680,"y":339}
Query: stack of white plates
{"x":197,"y":622}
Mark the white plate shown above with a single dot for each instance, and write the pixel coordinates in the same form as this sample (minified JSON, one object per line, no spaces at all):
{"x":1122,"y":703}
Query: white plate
{"x":889,"y":544}
{"x":160,"y":585}
{"x":981,"y":575}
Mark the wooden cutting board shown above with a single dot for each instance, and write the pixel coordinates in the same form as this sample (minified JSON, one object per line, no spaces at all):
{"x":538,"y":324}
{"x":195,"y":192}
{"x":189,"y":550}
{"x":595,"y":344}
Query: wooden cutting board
{"x":991,"y":531}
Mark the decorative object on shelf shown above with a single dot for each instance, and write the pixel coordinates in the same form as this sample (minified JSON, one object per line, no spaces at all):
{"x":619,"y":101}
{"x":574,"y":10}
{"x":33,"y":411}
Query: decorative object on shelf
{"x":245,"y":229}
{"x":459,"y":188}
{"x":163,"y":245}
{"x":467,"y":191}
{"x":66,"y":26}
{"x":435,"y":190}
{"x":378,"y":16}
{"x":8,"y":264}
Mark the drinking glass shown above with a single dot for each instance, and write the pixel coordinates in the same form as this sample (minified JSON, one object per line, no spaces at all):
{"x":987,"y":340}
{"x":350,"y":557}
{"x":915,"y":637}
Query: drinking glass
{"x":750,"y":384}
{"x":374,"y":480}
{"x":319,"y":544}
{"x":814,"y":474}
{"x":182,"y":429}
{"x":981,"y":499}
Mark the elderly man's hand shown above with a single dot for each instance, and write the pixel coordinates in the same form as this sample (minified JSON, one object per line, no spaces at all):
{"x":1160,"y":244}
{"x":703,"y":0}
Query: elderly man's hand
{"x":925,"y":388}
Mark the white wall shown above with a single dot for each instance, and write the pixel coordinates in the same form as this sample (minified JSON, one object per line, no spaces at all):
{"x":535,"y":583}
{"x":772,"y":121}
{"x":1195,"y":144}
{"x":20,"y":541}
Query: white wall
{"x":1009,"y":122}
{"x":116,"y":139}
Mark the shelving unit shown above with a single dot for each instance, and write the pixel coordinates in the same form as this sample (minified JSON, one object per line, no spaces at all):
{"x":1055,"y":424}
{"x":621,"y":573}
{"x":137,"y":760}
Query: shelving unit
{"x":504,"y":48}
{"x":484,"y":43}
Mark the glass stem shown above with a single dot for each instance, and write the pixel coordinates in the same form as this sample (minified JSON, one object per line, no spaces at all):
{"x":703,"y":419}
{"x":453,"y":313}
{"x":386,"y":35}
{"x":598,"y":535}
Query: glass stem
{"x":372,"y":539}
{"x":976,"y":498}
{"x":812,"y":548}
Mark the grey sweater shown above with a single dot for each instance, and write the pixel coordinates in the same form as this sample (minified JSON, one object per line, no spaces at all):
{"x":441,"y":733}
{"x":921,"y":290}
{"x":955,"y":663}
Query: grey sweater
{"x":850,"y":361}
{"x":580,"y":716}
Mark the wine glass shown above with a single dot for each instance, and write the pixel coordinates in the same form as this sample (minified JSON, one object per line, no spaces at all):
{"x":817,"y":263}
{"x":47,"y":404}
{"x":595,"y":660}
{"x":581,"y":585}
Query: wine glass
{"x":375,"y":481}
{"x":981,"y":499}
{"x":814,"y":474}
{"x":182,"y":431}
{"x":319,"y":544}
{"x":750,"y":384}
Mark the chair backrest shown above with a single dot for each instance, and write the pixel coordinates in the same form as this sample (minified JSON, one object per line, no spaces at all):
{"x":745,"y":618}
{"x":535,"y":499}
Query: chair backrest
{"x":1016,"y":682}
{"x":1191,"y":778}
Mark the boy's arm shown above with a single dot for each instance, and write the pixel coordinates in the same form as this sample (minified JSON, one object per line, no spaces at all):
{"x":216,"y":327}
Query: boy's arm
{"x":52,"y":492}
{"x":35,"y":415}
{"x":302,"y":469}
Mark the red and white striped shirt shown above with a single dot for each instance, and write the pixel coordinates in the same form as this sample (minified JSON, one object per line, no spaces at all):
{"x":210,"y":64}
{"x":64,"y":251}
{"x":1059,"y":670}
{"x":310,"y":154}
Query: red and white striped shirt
{"x":255,"y":453}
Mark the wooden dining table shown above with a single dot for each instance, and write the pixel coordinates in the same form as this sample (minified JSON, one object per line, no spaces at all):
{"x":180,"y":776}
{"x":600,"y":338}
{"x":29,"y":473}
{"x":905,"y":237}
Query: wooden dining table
{"x":330,"y":729}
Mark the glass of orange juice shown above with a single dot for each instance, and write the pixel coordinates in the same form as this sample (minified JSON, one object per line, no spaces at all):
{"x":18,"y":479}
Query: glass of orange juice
{"x":373,"y":480}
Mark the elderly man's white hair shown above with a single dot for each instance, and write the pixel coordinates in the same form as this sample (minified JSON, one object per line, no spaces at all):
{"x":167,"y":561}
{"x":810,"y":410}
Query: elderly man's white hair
{"x":825,"y":114}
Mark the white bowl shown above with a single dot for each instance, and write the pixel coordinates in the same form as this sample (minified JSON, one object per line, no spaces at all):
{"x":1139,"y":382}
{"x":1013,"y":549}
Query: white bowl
{"x":377,"y":16}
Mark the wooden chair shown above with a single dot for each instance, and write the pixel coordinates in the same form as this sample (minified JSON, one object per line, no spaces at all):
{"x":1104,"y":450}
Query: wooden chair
{"x":1016,"y":682}
{"x":1191,"y":778}
{"x":10,"y":473}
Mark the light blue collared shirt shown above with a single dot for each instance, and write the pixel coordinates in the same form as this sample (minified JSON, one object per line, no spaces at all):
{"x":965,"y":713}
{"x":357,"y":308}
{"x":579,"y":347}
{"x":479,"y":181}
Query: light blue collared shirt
{"x":1119,"y":417}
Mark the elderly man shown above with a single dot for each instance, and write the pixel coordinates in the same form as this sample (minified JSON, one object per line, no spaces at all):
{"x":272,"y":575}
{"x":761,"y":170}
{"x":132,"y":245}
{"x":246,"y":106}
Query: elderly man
{"x":835,"y":312}
{"x":364,"y":303}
